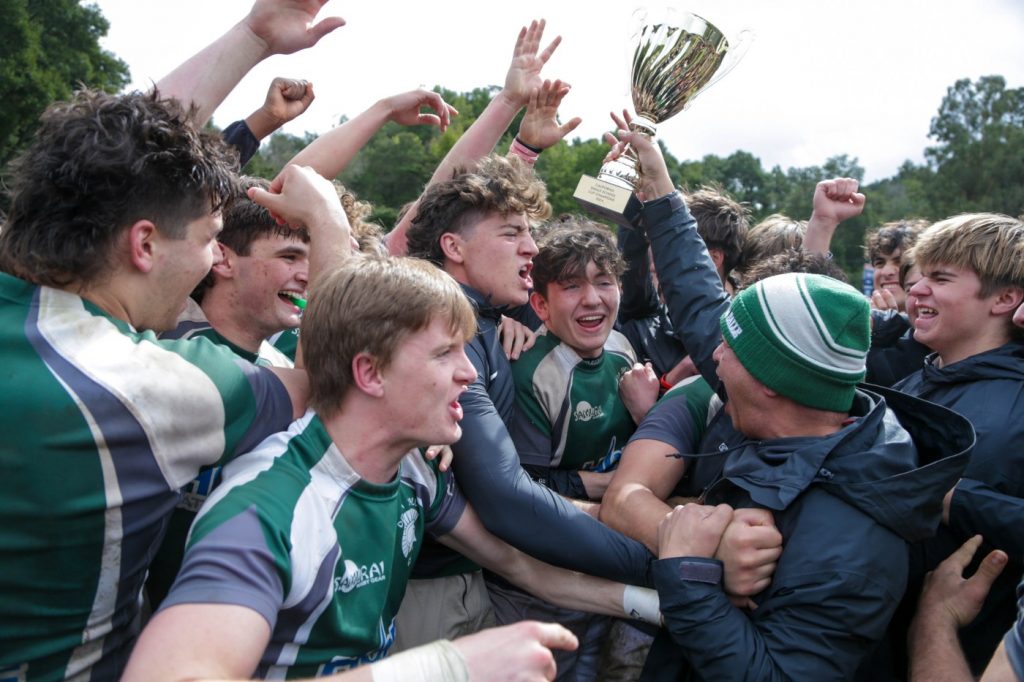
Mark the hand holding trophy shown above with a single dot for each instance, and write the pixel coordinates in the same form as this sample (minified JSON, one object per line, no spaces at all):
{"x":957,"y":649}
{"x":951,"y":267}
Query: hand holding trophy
{"x":675,"y":58}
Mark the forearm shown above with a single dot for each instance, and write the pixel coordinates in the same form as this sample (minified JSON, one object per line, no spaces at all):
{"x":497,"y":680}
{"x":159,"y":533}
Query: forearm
{"x":331,"y":153}
{"x":208,"y":77}
{"x":477,"y":142}
{"x":635,"y":511}
{"x":689,"y":281}
{"x":563,"y":482}
{"x":639,"y":298}
{"x":935,"y":652}
{"x":818,"y":237}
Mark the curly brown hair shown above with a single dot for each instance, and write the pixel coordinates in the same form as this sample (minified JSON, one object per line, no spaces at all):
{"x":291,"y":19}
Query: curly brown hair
{"x":899,"y":234}
{"x":498,"y":184}
{"x":98,"y":164}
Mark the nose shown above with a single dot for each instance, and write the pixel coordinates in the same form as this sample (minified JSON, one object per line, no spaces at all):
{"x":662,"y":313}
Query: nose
{"x":465,"y":371}
{"x":528,"y":246}
{"x":919,"y":288}
{"x":218,"y":253}
{"x":302,"y":274}
{"x":717,"y":355}
{"x":590,"y":295}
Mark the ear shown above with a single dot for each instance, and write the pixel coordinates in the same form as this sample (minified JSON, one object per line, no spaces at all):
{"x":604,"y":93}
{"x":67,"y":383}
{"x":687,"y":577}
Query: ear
{"x":366,"y":375}
{"x":451,"y":246}
{"x":1007,"y":301}
{"x":142,"y":236}
{"x":540,"y":306}
{"x":225,"y":266}
{"x":718,"y":256}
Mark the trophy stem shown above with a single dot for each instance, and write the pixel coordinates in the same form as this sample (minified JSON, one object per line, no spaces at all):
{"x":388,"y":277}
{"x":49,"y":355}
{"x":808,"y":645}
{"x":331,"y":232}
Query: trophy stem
{"x":625,"y":171}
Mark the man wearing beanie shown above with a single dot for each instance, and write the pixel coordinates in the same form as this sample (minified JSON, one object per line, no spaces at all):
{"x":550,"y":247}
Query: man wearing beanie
{"x":777,"y":432}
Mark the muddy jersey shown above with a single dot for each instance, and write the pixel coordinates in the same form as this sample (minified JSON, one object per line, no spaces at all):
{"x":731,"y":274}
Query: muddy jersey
{"x":102,"y":425}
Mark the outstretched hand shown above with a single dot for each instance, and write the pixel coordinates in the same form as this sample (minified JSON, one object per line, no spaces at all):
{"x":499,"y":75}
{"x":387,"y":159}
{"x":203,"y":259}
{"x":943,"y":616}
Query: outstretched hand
{"x":540,"y":128}
{"x":287,"y":26}
{"x":405,"y":109}
{"x":523,"y":75}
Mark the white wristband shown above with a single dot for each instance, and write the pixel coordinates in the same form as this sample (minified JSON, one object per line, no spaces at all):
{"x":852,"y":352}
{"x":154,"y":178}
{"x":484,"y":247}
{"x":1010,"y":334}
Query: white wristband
{"x":432,"y":662}
{"x":642,"y":604}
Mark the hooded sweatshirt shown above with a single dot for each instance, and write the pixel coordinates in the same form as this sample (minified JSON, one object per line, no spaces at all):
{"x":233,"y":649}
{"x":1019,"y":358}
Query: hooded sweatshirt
{"x":846,"y":505}
{"x":988,"y":389}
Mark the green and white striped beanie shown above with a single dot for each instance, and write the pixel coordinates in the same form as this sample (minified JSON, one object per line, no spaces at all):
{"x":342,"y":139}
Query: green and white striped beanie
{"x":804,"y":336}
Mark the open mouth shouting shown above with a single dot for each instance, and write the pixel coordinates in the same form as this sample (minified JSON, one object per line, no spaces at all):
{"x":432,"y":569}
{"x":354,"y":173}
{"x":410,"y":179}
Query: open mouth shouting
{"x":524,"y":275}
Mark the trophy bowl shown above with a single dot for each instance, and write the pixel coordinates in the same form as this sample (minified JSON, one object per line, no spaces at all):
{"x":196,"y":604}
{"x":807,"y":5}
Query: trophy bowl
{"x":676,"y":56}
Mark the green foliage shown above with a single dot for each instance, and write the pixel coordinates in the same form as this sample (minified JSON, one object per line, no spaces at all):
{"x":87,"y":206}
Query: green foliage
{"x":50,"y":48}
{"x":979,"y":159}
{"x":976,"y":165}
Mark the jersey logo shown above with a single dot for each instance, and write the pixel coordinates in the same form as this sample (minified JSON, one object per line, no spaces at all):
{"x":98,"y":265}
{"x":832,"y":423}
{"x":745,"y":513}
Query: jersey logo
{"x":359,"y":576}
{"x":407,"y":522}
{"x":585,"y":411}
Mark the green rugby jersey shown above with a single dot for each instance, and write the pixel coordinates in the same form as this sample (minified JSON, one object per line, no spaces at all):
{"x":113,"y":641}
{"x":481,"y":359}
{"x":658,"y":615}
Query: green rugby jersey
{"x":327,"y":555}
{"x":286,"y":342}
{"x":568,"y":411}
{"x":192,"y":323}
{"x":101,"y":427}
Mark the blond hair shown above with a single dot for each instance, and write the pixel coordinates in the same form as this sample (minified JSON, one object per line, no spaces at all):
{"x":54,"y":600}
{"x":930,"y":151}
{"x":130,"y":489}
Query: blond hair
{"x":989,"y":244}
{"x":371,"y":305}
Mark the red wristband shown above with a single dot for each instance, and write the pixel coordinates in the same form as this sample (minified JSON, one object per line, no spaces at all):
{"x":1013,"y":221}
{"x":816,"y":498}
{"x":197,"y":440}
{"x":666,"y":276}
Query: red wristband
{"x":665,"y":386}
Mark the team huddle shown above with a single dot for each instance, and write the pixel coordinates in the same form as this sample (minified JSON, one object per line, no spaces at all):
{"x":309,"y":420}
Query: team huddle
{"x":250,"y":435}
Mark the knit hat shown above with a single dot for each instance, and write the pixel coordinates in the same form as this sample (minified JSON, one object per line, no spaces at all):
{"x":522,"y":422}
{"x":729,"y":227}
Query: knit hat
{"x":804,"y":336}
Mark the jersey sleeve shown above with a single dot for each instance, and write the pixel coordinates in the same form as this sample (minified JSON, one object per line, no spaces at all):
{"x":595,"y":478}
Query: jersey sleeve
{"x":681,"y":416}
{"x":255,"y":402}
{"x":438,"y":492}
{"x":237,"y":561}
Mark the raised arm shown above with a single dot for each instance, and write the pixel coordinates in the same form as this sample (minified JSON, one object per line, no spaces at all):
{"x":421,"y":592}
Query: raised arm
{"x":271,"y":27}
{"x":834,"y":201}
{"x":287,"y":99}
{"x":522,"y":78}
{"x":689,"y":281}
{"x":330,"y":153}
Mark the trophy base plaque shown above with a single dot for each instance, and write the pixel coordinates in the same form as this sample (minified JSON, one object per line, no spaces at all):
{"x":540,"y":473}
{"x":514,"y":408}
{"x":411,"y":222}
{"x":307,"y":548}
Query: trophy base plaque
{"x":605,"y":200}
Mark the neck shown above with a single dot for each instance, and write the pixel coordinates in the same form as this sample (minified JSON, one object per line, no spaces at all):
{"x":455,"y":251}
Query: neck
{"x":795,"y":421}
{"x":228,"y":318}
{"x":974,"y":345}
{"x":106,"y":297}
{"x":362,"y":435}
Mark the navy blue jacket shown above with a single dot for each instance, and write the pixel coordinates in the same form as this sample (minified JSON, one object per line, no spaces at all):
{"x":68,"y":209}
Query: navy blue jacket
{"x":988,"y":389}
{"x":846,"y":506}
{"x":511,"y":505}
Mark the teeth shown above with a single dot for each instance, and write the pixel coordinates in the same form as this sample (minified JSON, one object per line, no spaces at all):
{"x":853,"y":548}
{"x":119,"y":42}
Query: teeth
{"x":592,"y":318}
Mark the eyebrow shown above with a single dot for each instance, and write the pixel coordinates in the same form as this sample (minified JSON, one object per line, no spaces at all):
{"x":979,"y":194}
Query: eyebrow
{"x":289,"y":250}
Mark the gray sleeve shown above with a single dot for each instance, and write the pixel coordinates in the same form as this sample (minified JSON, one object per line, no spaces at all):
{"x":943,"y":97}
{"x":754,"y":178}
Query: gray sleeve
{"x":233,"y":565}
{"x":447,"y":508}
{"x":672,"y":423}
{"x":273,"y":406}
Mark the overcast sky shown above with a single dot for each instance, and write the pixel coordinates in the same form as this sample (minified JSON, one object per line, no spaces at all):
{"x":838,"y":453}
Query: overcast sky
{"x":820,"y":78}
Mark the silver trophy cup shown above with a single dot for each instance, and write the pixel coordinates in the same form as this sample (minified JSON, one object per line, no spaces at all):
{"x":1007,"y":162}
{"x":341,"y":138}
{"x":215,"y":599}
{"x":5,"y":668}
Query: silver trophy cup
{"x":675,"y":58}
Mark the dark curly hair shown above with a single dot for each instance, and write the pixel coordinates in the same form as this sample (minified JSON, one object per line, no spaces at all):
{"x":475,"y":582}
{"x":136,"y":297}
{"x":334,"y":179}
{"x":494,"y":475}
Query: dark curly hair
{"x":497,"y":184}
{"x":899,"y":234}
{"x":722,"y":223}
{"x":568,"y":246}
{"x":245,"y":221}
{"x":99,"y":163}
{"x":792,"y":260}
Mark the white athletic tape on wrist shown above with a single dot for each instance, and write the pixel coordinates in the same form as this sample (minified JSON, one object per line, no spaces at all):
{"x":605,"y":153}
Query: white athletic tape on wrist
{"x":432,"y":662}
{"x":641,"y":603}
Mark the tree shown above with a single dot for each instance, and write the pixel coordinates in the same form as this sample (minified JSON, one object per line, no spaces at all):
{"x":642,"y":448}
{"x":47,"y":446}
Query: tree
{"x":978,"y":161}
{"x":51,"y":47}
